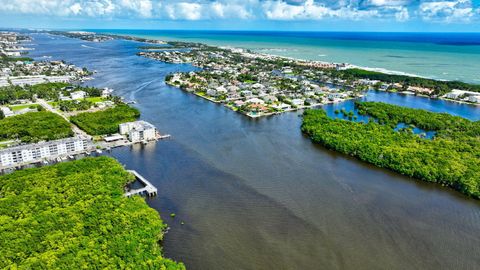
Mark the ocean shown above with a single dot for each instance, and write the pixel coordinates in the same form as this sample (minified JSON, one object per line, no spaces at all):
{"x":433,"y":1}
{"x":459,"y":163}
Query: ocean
{"x":443,"y":56}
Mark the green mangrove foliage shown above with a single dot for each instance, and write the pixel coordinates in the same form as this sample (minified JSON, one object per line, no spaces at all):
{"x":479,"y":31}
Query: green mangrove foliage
{"x":107,"y":121}
{"x":34,"y":127}
{"x":451,"y":158}
{"x":73,"y":215}
{"x":74,"y":105}
{"x":446,"y":125}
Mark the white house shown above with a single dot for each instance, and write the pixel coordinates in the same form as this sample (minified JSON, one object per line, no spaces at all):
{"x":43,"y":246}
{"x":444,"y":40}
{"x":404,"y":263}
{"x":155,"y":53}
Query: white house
{"x":106,"y":92}
{"x":7,"y":112}
{"x":78,"y":95}
{"x":246,"y":93}
{"x":282,"y":106}
{"x":221,"y":90}
{"x":298,"y":102}
{"x":138,"y":131}
{"x":255,"y":101}
{"x":212,"y":92}
{"x":475,"y":99}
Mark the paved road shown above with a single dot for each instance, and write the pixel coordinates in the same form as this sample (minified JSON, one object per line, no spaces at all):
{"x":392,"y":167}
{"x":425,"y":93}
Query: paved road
{"x":76,"y":130}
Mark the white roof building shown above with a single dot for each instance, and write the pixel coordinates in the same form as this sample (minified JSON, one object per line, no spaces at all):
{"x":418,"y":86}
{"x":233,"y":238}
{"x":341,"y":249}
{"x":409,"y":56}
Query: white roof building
{"x":78,"y":95}
{"x":298,"y":102}
{"x":138,"y":131}
{"x":36,"y":152}
{"x":255,"y":101}
{"x":475,"y":99}
{"x":7,"y":112}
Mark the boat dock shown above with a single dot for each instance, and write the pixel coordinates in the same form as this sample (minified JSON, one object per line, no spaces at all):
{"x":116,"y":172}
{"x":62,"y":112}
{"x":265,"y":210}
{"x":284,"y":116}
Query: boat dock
{"x":148,"y":189}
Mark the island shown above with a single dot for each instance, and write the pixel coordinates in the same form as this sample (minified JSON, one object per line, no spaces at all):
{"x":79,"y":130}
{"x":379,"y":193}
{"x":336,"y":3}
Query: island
{"x":394,"y":138}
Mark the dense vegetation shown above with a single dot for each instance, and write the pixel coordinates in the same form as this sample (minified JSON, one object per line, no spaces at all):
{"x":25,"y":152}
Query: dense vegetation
{"x":451,"y":158}
{"x":47,"y":91}
{"x":107,"y":121}
{"x":446,"y":125}
{"x":6,"y":59}
{"x":73,"y":216}
{"x":34,"y":127}
{"x":74,"y":105}
{"x":440,"y":87}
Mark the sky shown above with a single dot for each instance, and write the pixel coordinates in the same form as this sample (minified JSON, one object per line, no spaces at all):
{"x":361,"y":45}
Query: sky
{"x":281,"y":15}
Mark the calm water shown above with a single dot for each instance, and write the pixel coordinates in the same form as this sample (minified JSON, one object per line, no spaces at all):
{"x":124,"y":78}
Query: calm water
{"x":257,"y":194}
{"x":452,"y":56}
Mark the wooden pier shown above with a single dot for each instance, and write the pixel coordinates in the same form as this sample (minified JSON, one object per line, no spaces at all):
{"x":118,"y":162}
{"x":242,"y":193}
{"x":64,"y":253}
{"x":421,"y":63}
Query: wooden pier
{"x":148,"y":189}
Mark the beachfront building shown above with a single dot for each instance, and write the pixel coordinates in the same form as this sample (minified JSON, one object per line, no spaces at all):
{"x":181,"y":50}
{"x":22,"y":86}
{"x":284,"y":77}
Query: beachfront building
{"x":138,"y":131}
{"x":38,"y":152}
{"x":474,"y":99}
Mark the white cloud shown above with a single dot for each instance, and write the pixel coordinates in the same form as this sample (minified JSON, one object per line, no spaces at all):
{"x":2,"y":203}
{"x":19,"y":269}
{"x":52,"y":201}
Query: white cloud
{"x":399,"y":10}
{"x":448,"y":11}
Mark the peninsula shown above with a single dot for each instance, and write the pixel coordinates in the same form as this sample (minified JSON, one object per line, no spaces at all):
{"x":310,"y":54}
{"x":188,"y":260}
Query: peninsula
{"x":80,"y":211}
{"x":260,"y":84}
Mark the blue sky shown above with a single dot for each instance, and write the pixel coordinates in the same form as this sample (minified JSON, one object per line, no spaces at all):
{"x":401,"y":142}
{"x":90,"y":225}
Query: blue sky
{"x":310,"y":15}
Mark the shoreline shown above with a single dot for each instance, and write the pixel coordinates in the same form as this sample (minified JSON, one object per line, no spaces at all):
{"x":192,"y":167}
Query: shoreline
{"x":159,"y":41}
{"x":375,"y":69}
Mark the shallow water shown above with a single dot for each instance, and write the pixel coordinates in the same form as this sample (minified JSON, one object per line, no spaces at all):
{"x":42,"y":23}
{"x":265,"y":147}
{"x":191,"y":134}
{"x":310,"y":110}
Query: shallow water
{"x":448,"y":56}
{"x":257,"y":194}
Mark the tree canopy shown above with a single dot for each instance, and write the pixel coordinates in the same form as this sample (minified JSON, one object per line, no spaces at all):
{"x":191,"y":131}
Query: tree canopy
{"x":34,"y":127}
{"x":451,"y":158}
{"x":107,"y":121}
{"x":73,"y":215}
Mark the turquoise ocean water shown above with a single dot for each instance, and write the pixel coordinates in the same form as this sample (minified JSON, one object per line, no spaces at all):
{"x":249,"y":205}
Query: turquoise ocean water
{"x":446,"y":56}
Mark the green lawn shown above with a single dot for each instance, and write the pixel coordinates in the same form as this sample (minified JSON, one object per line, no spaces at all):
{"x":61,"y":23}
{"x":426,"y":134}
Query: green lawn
{"x":95,"y":99}
{"x":91,"y":99}
{"x":20,"y":107}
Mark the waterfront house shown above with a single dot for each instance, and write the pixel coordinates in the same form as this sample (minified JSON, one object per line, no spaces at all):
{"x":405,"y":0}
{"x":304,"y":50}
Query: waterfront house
{"x":418,"y":90}
{"x":212,"y":92}
{"x":138,"y":131}
{"x":298,"y":102}
{"x":282,"y":106}
{"x":455,"y":94}
{"x":239,"y":103}
{"x":221,"y":90}
{"x":474,"y":99}
{"x":106,"y":92}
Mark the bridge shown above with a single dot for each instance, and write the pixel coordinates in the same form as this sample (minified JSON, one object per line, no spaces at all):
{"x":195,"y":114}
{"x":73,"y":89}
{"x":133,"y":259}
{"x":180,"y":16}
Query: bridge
{"x":148,"y":189}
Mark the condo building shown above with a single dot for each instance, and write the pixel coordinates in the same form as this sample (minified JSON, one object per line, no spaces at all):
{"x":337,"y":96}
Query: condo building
{"x":38,"y":152}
